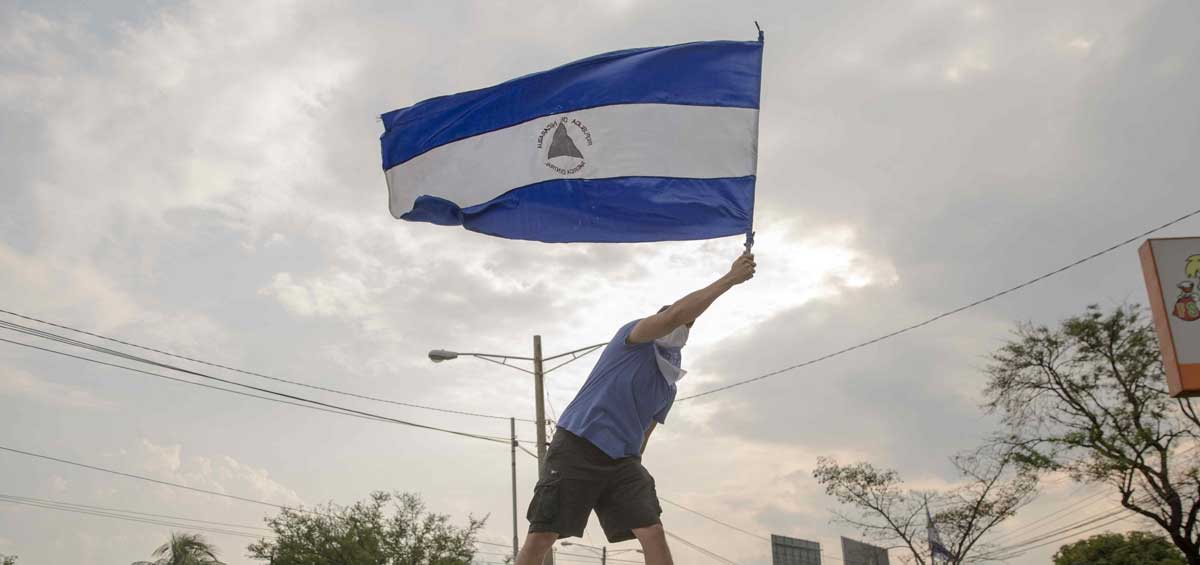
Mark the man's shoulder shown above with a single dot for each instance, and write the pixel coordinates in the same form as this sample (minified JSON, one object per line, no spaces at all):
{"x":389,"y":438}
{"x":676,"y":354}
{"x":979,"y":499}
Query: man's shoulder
{"x":622,"y":336}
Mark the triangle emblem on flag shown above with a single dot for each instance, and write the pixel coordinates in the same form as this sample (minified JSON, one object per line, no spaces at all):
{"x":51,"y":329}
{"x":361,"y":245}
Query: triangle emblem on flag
{"x":561,"y":145}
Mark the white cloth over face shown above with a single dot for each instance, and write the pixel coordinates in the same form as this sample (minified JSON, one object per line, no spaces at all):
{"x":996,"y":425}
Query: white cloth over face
{"x":668,"y":352}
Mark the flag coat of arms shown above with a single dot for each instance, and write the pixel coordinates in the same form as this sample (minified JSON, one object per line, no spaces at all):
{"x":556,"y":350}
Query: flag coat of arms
{"x":649,"y":144}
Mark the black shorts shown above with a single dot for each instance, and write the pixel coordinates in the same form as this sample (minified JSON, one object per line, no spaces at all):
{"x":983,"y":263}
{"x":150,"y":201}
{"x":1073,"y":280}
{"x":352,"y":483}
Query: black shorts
{"x":579,"y":478}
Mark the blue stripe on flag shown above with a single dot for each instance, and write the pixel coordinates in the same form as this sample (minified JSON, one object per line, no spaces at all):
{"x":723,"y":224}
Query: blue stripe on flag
{"x":623,"y":209}
{"x":709,"y":73}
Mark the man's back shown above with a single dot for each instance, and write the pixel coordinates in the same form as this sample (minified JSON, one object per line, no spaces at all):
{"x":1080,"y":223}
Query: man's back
{"x":622,"y":396}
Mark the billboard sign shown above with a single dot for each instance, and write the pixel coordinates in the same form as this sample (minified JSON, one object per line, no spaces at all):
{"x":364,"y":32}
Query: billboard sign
{"x":794,"y":551}
{"x":1172,"y":271}
{"x":858,"y":553}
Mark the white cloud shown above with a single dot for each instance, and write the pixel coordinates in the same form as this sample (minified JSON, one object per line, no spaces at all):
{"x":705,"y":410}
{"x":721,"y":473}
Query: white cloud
{"x":220,"y":473}
{"x":1080,"y":45}
{"x":338,"y":295}
{"x":21,"y":384}
{"x":47,"y":284}
{"x":966,"y":63}
{"x":58,"y":484}
{"x":165,"y":459}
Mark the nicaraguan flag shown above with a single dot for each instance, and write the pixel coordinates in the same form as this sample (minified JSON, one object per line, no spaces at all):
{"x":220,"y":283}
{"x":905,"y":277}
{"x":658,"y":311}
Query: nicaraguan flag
{"x":646,"y":144}
{"x":936,"y":547}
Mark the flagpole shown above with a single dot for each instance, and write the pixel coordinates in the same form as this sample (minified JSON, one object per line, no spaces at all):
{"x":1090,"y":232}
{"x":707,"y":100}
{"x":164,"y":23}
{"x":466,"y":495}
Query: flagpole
{"x":929,"y":529}
{"x":750,"y":232}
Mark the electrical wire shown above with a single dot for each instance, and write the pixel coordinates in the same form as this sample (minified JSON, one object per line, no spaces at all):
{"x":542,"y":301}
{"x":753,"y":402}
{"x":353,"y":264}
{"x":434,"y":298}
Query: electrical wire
{"x":184,"y":381}
{"x":124,"y":355}
{"x":118,"y":516}
{"x":153,"y":480}
{"x":1025,"y":550}
{"x":700,"y":549}
{"x":125,"y":511}
{"x":731,"y":526}
{"x":1081,"y":503}
{"x":943,"y":314}
{"x":256,"y":374}
{"x":711,"y":519}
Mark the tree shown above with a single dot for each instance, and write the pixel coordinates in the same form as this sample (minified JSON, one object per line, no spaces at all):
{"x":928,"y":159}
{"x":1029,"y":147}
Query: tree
{"x":184,"y":549}
{"x":992,"y":491}
{"x":8,"y":560}
{"x":1134,"y":548}
{"x":385,"y":529}
{"x":1089,"y":398}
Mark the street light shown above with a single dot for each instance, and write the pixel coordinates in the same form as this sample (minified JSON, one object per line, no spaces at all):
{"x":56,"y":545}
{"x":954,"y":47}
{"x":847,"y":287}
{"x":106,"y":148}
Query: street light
{"x":440,"y":355}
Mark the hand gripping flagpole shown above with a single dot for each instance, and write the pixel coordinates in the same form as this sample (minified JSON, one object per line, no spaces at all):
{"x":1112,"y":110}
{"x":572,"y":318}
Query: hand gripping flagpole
{"x":750,"y":232}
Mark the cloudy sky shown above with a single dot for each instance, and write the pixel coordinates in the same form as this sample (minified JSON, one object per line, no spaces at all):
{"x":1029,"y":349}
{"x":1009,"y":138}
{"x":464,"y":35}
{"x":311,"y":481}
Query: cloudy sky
{"x":204,"y":178}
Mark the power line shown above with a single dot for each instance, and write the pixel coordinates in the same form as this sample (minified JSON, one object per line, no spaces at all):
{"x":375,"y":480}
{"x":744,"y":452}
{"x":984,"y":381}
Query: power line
{"x":139,"y":517}
{"x":1079,"y":503}
{"x":152,"y":480}
{"x":1082,"y":503}
{"x":508,"y":545}
{"x":711,"y":519}
{"x":124,"y":355}
{"x":184,"y":381}
{"x":193,"y":524}
{"x":1067,"y":529}
{"x":257,"y":374}
{"x":700,"y":549}
{"x":134,"y":519}
{"x":1025,"y":550}
{"x":593,"y":557}
{"x":944,"y":314}
{"x":341,"y":412}
{"x":125,"y":511}
{"x":731,"y":526}
{"x":1065,"y":532}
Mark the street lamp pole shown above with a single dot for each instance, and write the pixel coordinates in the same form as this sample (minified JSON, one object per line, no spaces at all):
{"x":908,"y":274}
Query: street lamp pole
{"x":512,"y":424}
{"x":539,"y":391}
{"x":539,"y":373}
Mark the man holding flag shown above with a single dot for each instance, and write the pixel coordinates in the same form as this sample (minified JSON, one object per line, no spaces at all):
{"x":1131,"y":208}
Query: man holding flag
{"x":651,"y":144}
{"x":595,"y":459}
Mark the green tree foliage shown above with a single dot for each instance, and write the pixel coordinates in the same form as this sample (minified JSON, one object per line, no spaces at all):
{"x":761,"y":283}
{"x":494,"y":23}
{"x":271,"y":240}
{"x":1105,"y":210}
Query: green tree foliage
{"x":8,"y":560}
{"x":184,"y":549}
{"x":991,"y":490}
{"x":385,"y":529}
{"x":1134,"y":548}
{"x":1089,"y":398}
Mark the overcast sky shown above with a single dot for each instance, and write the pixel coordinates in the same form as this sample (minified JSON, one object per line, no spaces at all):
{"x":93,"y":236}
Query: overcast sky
{"x":204,"y":178}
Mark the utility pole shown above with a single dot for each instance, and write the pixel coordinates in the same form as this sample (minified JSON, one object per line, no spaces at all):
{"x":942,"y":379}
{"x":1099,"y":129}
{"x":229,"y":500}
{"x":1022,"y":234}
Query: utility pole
{"x":539,"y":390}
{"x":604,"y":555}
{"x":512,"y":423}
{"x":539,"y":373}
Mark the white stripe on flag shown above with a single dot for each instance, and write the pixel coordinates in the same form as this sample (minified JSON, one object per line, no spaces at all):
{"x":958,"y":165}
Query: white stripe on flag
{"x":657,"y":140}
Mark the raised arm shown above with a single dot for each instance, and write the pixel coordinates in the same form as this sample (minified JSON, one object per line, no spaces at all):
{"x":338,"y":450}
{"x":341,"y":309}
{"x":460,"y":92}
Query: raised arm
{"x":690,"y":307}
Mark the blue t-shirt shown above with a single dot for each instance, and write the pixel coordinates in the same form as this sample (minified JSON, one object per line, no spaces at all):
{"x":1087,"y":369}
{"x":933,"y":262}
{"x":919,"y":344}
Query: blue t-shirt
{"x":624,"y":393}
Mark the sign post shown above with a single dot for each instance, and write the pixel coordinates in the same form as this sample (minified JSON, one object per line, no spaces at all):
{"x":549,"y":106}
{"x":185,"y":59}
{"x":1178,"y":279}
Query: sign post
{"x":1171,"y":267}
